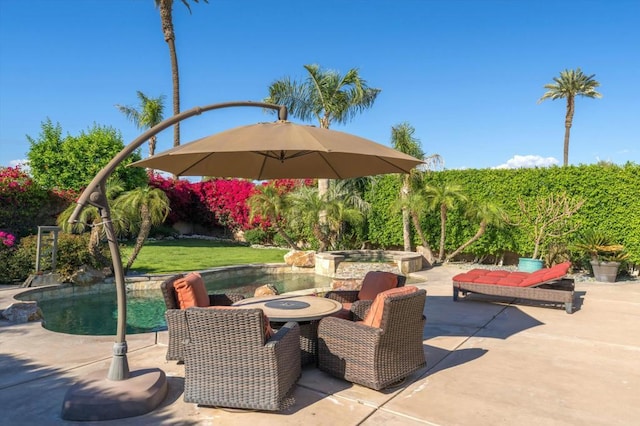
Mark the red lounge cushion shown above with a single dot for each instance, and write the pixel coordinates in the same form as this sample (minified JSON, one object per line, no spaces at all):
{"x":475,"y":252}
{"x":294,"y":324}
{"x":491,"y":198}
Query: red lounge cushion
{"x":376,"y":282}
{"x":510,"y":281}
{"x":497,"y":273}
{"x":191,"y":291}
{"x":466,"y":277}
{"x":374,"y":316}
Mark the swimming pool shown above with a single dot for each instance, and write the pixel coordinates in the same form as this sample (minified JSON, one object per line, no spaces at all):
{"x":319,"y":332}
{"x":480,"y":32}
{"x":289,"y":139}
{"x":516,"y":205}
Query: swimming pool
{"x":93,"y":311}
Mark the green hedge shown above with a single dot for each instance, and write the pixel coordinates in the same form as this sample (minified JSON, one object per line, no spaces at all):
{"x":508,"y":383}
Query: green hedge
{"x":611,"y":194}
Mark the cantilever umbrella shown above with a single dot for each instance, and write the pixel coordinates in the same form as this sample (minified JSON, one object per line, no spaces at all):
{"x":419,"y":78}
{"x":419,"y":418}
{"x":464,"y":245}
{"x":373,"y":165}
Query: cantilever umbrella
{"x":281,"y":149}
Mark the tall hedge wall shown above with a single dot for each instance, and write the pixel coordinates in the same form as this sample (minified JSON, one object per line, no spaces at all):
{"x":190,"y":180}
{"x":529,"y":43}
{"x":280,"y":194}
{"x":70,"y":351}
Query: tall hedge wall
{"x":611,"y":194}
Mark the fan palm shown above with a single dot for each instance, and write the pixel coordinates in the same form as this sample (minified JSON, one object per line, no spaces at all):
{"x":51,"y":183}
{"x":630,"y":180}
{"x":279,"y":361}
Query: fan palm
{"x":166,"y":17}
{"x":150,"y":113}
{"x":570,"y":84}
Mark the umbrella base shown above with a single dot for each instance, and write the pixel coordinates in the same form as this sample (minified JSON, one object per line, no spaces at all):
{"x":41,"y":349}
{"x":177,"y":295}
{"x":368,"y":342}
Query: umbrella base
{"x":98,"y":398}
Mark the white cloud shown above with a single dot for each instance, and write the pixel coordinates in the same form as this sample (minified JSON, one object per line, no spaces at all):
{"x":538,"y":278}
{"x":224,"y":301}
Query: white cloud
{"x":23,"y":164}
{"x":524,"y":161}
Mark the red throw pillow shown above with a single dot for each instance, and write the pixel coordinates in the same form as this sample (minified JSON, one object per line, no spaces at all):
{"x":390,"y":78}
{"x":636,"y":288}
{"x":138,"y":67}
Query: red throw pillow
{"x":376,"y":282}
{"x":374,"y":316}
{"x":191,"y":291}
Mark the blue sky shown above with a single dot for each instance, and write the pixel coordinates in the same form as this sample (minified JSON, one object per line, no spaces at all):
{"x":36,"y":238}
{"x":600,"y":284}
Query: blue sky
{"x":465,"y":74}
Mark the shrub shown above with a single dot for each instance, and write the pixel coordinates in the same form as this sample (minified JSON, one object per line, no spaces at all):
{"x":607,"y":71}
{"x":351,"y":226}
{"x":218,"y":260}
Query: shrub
{"x":258,"y":236}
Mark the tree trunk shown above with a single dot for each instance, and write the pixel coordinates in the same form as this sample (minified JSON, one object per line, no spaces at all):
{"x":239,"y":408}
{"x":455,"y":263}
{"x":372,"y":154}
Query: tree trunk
{"x":481,"y":231}
{"x":429,"y":252}
{"x":287,"y":238}
{"x":166,"y":18}
{"x":443,"y":230}
{"x":567,"y":127}
{"x":406,"y":222}
{"x":145,"y":228}
{"x":94,"y":244}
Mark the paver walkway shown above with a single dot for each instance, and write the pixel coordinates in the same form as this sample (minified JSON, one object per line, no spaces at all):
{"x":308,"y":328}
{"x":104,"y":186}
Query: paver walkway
{"x":487,"y":364}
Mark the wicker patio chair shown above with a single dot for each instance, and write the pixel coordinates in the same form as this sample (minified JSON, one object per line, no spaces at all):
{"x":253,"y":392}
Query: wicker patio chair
{"x":356,"y":303}
{"x":383,"y":349}
{"x":175,"y":320}
{"x":229,"y":362}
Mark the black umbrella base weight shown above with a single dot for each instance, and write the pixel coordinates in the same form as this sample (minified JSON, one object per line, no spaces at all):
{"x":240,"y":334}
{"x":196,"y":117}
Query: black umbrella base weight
{"x":98,"y":398}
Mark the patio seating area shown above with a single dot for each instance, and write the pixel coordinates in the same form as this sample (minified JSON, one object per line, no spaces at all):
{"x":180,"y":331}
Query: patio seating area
{"x":498,"y":363}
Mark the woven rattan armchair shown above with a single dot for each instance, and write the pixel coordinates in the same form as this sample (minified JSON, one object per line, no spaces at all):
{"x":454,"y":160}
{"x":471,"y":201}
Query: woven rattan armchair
{"x":229,"y":362}
{"x":376,"y":357}
{"x":355,"y":308}
{"x":175,"y":320}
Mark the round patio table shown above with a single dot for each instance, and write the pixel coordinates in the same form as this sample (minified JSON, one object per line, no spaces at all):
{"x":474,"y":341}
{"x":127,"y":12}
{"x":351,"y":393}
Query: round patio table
{"x":307,"y":311}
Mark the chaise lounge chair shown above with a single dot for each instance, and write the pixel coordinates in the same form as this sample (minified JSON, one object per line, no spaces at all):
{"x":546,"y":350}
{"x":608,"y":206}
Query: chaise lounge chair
{"x":548,"y":284}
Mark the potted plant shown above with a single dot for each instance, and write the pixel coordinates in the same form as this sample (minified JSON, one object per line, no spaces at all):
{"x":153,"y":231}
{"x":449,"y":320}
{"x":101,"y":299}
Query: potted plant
{"x":605,"y":256}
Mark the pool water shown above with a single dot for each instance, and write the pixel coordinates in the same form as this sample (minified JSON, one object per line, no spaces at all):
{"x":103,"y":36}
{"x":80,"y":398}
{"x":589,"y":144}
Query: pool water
{"x":96,"y":313}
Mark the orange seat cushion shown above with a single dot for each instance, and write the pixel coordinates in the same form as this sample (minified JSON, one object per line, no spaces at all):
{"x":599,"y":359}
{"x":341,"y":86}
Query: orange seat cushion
{"x":374,"y":316}
{"x":191,"y":291}
{"x":376,"y":282}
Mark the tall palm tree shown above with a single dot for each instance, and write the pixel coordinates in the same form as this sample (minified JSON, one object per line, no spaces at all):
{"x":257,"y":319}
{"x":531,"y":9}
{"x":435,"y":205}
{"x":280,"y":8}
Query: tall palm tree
{"x":326,"y":96}
{"x":166,"y":18}
{"x":443,"y":196}
{"x":487,"y":214}
{"x":142,"y":207}
{"x":269,"y":202}
{"x":570,"y":84}
{"x":402,"y":139}
{"x":148,"y":114}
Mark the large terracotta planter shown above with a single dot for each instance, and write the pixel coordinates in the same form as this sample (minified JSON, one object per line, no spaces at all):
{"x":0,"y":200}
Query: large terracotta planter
{"x":526,"y":264}
{"x":605,"y":271}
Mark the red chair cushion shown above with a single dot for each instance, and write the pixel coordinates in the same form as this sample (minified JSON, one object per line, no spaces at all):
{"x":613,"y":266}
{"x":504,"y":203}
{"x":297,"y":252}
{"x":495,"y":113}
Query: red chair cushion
{"x":374,"y":316}
{"x":376,"y":282}
{"x":191,"y":291}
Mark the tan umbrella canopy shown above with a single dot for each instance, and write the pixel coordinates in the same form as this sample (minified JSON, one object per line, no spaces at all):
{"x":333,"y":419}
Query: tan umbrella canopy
{"x":281,"y":150}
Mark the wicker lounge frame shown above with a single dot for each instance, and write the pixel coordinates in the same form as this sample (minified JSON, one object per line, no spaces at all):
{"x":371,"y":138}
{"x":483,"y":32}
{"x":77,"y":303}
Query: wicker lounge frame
{"x":376,"y":357}
{"x":175,"y":316}
{"x":558,"y":289}
{"x":229,"y":362}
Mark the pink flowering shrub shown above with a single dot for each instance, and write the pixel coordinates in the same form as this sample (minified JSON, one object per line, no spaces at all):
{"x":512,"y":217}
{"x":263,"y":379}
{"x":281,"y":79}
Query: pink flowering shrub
{"x":7,"y":239}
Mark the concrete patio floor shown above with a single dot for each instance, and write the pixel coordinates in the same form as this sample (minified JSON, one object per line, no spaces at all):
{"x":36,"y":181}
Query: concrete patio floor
{"x":487,"y":364}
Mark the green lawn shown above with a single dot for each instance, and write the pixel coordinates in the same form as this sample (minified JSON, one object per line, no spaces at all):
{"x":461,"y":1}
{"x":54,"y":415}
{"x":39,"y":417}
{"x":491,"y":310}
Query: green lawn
{"x":192,"y":254}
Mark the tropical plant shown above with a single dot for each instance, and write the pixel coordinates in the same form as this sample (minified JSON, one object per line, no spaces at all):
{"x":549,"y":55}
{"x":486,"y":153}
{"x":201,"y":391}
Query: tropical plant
{"x":90,"y":218}
{"x":326,"y":96}
{"x":599,"y":246}
{"x":402,"y":139}
{"x":166,"y":17}
{"x":547,"y":218}
{"x":149,"y":113}
{"x":443,"y":196}
{"x":570,"y":84}
{"x":269,"y":202}
{"x":142,"y":208}
{"x":487,"y":214}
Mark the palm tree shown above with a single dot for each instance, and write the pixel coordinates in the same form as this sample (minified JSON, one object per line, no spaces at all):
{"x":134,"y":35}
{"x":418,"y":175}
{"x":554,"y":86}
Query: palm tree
{"x":570,"y":84}
{"x":270,"y":203}
{"x":90,"y":218}
{"x":487,"y":214}
{"x":326,"y":96}
{"x":166,"y":17}
{"x":150,"y":113}
{"x":402,"y":139}
{"x":443,"y":196}
{"x":142,"y":207}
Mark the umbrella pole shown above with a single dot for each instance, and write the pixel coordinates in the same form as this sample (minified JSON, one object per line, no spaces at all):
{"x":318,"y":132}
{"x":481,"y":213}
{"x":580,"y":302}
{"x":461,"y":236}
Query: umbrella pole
{"x":119,"y":369}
